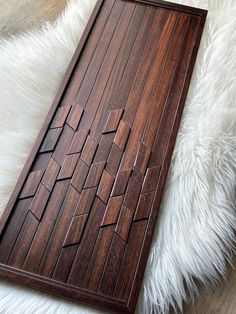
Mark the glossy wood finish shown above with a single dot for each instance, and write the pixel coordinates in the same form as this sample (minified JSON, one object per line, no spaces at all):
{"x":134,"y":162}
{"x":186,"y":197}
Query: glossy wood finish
{"x":80,"y":221}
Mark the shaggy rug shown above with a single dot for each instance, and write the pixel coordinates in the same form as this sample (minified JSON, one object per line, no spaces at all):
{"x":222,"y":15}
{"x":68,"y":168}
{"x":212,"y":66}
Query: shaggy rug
{"x":195,"y":231}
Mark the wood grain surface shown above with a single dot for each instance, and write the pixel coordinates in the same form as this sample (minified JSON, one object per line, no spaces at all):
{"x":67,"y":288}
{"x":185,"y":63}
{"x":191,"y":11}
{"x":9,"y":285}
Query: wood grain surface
{"x":82,"y":215}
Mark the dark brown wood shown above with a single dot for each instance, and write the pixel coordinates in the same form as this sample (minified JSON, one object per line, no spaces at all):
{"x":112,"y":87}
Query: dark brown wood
{"x":80,"y":221}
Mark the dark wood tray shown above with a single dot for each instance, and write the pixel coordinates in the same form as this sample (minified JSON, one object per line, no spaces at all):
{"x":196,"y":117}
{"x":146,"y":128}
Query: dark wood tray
{"x":80,"y":221}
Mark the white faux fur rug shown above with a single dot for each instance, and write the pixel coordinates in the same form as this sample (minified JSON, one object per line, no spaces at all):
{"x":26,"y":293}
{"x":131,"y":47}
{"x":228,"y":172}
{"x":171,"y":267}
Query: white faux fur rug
{"x":194,"y":235}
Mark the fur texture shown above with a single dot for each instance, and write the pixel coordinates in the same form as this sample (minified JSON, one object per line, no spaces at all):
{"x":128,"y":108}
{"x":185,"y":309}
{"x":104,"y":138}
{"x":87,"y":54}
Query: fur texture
{"x":195,"y":231}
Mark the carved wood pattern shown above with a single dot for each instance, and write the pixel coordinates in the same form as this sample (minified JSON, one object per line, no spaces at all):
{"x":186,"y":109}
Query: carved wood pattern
{"x":80,"y":221}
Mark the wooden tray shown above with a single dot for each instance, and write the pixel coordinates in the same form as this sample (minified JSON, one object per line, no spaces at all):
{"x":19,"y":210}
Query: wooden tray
{"x":80,"y":221}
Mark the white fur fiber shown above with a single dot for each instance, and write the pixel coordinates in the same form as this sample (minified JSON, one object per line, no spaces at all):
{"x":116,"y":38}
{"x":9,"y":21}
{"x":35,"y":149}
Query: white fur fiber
{"x":195,"y":232}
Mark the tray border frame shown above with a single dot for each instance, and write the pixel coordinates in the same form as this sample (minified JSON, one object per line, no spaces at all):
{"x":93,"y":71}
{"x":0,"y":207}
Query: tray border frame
{"x":84,"y":296}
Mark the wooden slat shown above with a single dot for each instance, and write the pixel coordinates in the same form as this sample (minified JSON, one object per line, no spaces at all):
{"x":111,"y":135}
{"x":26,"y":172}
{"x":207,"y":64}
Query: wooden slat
{"x":50,"y":174}
{"x":23,"y":242}
{"x":95,"y":174}
{"x":98,"y":259}
{"x":113,"y":161}
{"x":10,"y":236}
{"x":31,"y":184}
{"x":63,"y":145}
{"x":85,"y":59}
{"x":84,"y":252}
{"x":131,"y":257}
{"x":60,"y":117}
{"x":122,"y":135}
{"x":61,"y":233}
{"x":117,"y":73}
{"x":141,"y":56}
{"x":85,"y":201}
{"x":96,"y":61}
{"x":45,"y":228}
{"x":112,"y":210}
{"x":89,"y":150}
{"x":80,"y":175}
{"x":51,"y":140}
{"x":40,"y":200}
{"x":75,"y":116}
{"x":80,"y":221}
{"x":112,"y":266}
{"x":78,"y":141}
{"x":105,"y":186}
{"x":144,"y":206}
{"x":121,"y":182}
{"x":68,"y":166}
{"x":124,"y":223}
{"x":75,"y":231}
{"x":113,"y":121}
